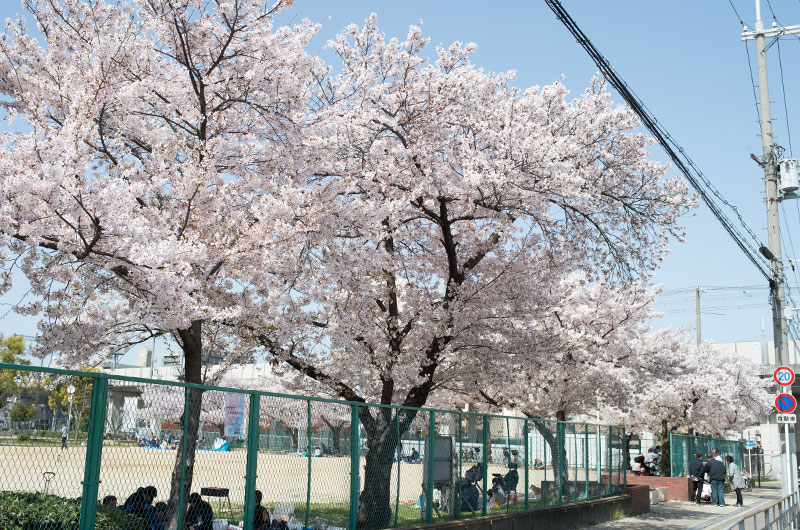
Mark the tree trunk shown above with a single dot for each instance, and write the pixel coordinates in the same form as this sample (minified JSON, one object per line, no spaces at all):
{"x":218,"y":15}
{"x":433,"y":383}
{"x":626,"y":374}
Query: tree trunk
{"x":627,"y":454}
{"x":375,"y":504}
{"x":552,"y":433}
{"x":336,"y":433}
{"x":665,"y":460}
{"x":191,"y":340}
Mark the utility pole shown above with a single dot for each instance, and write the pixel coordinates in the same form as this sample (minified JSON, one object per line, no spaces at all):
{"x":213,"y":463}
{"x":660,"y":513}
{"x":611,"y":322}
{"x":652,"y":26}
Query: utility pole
{"x":770,"y":163}
{"x":697,"y":312}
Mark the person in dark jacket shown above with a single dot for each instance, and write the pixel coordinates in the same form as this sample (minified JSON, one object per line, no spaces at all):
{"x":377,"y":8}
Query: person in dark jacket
{"x":199,"y":516}
{"x":261,"y":520}
{"x":716,"y":475}
{"x":697,"y":472}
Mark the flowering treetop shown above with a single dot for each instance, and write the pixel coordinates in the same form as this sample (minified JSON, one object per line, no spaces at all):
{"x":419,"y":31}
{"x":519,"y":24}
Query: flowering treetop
{"x":458,"y":204}
{"x":153,"y":181}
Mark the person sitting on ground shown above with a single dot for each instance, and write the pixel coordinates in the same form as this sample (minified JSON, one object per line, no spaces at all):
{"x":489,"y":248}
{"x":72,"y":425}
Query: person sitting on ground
{"x":414,"y":458}
{"x":261,"y":521}
{"x":133,"y":502}
{"x":199,"y":516}
{"x":160,"y":512}
{"x":110,"y":502}
{"x":148,"y":511}
{"x":538,"y":464}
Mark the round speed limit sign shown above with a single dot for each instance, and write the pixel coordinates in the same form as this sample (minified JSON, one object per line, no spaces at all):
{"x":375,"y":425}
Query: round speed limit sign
{"x":784,"y":376}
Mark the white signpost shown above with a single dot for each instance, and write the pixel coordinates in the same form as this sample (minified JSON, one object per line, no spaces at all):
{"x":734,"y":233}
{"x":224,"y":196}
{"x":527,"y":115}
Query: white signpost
{"x":785,"y":404}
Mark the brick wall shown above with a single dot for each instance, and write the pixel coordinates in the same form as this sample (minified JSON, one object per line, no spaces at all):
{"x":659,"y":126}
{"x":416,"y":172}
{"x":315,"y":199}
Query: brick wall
{"x":640,"y":498}
{"x":565,"y":517}
{"x":677,"y":487}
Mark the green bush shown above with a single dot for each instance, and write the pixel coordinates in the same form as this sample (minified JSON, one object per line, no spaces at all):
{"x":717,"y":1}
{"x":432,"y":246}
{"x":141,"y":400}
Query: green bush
{"x":23,"y":510}
{"x":24,"y":436}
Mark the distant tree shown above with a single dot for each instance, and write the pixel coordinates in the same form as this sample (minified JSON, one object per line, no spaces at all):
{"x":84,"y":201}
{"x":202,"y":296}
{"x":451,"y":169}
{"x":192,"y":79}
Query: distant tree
{"x":22,"y":412}
{"x":706,"y":391}
{"x":12,"y":350}
{"x":81,"y":399}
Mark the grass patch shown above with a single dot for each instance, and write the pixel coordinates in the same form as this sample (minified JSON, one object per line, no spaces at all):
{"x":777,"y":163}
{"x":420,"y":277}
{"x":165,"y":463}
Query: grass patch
{"x":618,"y":514}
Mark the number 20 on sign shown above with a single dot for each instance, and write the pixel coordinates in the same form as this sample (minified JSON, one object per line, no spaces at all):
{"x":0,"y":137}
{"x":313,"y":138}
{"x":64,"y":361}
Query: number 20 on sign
{"x":784,"y":376}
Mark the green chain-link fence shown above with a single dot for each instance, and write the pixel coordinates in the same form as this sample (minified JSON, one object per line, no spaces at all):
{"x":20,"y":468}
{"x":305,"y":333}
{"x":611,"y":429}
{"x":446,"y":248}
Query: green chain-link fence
{"x":684,"y":447}
{"x":91,"y":450}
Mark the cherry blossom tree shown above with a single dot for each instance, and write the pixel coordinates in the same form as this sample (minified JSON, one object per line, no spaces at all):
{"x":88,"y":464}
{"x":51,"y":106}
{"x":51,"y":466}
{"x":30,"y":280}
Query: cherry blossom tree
{"x":152,"y":181}
{"x":707,"y":391}
{"x":190,"y":170}
{"x":577,"y":348}
{"x":460,"y":201}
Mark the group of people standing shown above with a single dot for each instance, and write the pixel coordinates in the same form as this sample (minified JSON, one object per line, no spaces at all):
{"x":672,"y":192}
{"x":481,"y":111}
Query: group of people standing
{"x":717,"y":471}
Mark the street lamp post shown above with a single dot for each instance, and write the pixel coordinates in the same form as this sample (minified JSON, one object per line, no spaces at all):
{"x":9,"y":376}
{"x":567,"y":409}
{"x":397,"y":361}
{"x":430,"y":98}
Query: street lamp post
{"x":70,"y":391}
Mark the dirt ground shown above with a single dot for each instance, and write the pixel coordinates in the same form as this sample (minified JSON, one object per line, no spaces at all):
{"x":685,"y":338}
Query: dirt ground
{"x":283,"y":478}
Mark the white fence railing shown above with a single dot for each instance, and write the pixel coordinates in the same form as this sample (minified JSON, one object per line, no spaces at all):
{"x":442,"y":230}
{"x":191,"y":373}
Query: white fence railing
{"x":781,"y":514}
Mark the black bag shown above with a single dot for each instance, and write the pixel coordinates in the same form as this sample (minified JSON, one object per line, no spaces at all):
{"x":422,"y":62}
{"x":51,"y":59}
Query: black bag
{"x":474,"y":474}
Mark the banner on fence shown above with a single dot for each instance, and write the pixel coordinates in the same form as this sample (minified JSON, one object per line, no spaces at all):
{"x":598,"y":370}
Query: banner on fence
{"x":234,"y":414}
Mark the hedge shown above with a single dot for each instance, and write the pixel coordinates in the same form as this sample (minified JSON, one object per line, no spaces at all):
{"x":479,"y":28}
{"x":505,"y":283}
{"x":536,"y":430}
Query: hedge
{"x":23,"y":510}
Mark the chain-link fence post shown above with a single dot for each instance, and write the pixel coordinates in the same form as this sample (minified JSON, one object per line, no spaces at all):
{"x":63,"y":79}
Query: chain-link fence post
{"x":544,"y":447}
{"x":94,"y":448}
{"x":560,"y":459}
{"x":624,"y":464}
{"x":253,"y":427}
{"x":184,"y":433}
{"x":586,"y":454}
{"x":599,"y":464}
{"x":485,"y":461}
{"x":399,"y":457}
{"x":429,"y":455}
{"x":355,"y":463}
{"x":460,"y":450}
{"x":527,"y":457}
{"x":610,"y":460}
{"x":310,"y":449}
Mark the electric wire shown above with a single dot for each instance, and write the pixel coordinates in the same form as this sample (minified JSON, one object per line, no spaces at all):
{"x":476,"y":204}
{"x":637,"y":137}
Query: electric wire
{"x":783,"y":91}
{"x":769,"y":4}
{"x":752,"y":81}
{"x":737,"y":12}
{"x":682,"y":161}
{"x":791,"y":245}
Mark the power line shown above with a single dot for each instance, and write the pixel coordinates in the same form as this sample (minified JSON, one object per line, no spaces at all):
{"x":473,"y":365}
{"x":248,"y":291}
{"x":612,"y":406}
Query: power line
{"x":737,"y":13}
{"x":769,"y":4}
{"x":682,"y":161}
{"x":752,"y":81}
{"x":783,"y":91}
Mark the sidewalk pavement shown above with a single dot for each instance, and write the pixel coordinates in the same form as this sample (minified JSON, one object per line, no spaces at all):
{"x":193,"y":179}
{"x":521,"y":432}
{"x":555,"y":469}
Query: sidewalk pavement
{"x":687,"y":515}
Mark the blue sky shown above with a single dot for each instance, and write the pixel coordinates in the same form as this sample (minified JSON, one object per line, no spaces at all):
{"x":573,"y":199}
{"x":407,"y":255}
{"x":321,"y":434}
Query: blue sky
{"x":685,"y":60}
